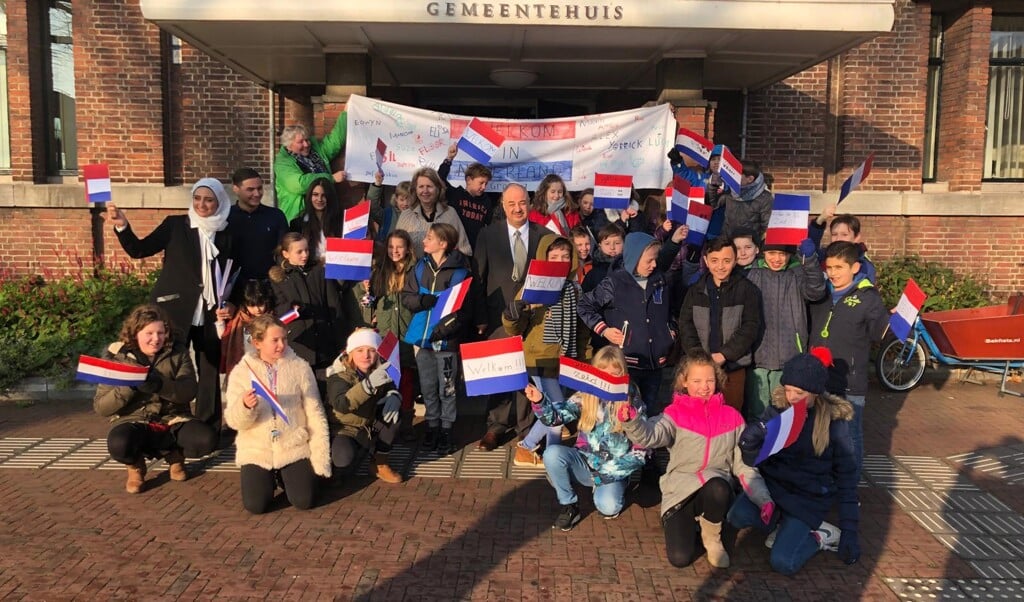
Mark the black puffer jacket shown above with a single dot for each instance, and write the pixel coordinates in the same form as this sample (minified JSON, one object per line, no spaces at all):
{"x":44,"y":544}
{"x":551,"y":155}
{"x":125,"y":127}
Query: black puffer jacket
{"x":315,"y":334}
{"x":738,"y":313}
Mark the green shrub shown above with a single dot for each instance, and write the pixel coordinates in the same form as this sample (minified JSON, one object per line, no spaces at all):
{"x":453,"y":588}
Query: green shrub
{"x":46,"y":323}
{"x":945,"y":289}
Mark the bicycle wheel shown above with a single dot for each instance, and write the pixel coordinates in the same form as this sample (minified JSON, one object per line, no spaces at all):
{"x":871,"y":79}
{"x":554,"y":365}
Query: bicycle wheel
{"x":899,"y":366}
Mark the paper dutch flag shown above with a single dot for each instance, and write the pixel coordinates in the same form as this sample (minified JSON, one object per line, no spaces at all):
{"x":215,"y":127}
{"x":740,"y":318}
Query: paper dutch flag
{"x":289,"y":317}
{"x":107,"y":372}
{"x":496,"y":366}
{"x":264,"y":392}
{"x":694,"y":146}
{"x":97,"y":183}
{"x":782,"y":431}
{"x":382,"y":151}
{"x":680,"y":199}
{"x":544,"y":281}
{"x":902,"y":320}
{"x":449,"y":301}
{"x":554,"y":226}
{"x":480,"y":141}
{"x":698,"y":218}
{"x":349,"y":259}
{"x":585,"y":378}
{"x":356,"y":221}
{"x":612,"y":191}
{"x":859,"y":175}
{"x":788,"y":223}
{"x":731,"y":170}
{"x":389,"y":350}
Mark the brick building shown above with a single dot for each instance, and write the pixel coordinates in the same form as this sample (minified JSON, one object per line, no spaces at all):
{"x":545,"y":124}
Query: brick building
{"x":935,"y":90}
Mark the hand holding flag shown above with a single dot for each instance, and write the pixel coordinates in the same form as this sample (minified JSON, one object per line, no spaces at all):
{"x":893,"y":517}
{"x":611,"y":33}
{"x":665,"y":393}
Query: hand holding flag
{"x":264,"y":392}
{"x":731,"y":170}
{"x":782,"y":430}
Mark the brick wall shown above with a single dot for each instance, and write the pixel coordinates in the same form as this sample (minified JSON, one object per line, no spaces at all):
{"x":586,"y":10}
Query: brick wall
{"x":119,"y":103}
{"x":25,"y":90}
{"x":964,"y":87}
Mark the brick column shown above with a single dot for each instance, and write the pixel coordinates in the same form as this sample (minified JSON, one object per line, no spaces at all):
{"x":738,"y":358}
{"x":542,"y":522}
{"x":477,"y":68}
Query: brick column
{"x":326,"y":111}
{"x":962,"y":101}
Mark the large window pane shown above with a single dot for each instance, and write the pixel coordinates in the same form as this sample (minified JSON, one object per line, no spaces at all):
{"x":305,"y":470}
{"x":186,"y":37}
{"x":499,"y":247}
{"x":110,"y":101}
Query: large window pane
{"x":5,"y":131}
{"x":931,"y":119}
{"x":62,"y":158}
{"x":1004,"y":139}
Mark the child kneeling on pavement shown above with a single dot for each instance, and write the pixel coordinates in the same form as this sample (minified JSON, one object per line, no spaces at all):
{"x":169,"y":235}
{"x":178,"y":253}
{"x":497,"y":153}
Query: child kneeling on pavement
{"x":366,"y":406}
{"x":603,"y":458}
{"x":702,"y":433}
{"x":806,"y":478}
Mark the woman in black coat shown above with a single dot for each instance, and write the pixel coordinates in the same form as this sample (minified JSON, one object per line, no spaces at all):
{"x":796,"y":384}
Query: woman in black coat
{"x":187,"y":287}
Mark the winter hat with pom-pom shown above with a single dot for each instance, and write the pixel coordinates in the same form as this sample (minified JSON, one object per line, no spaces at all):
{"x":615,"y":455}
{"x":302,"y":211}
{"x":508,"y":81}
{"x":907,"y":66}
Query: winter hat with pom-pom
{"x":808,"y":371}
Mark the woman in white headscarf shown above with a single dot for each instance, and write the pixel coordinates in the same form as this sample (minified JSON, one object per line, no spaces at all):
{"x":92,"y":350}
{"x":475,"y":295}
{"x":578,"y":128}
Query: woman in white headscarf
{"x":193,"y":245}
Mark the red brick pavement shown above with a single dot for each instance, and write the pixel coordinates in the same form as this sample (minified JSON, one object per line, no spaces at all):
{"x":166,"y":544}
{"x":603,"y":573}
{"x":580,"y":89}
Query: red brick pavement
{"x":75,"y":534}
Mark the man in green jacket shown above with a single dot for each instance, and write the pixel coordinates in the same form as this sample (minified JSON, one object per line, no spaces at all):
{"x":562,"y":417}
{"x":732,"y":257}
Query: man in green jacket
{"x":303,"y":159}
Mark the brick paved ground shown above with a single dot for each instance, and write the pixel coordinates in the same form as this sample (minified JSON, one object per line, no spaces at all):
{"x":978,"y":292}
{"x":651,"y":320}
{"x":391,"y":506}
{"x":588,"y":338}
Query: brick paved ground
{"x":76,"y":534}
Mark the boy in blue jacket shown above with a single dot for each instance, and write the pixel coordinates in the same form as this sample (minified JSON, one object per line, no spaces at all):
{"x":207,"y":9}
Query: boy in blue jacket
{"x":844,"y":227}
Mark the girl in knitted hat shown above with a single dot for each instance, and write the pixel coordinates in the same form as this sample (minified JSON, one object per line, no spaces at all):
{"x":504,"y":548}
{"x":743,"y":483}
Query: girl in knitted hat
{"x":816,"y":470}
{"x":701,"y":433}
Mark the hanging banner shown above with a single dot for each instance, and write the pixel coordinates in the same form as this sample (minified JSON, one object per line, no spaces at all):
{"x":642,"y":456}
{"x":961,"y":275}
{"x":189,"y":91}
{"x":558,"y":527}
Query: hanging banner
{"x":632,"y":142}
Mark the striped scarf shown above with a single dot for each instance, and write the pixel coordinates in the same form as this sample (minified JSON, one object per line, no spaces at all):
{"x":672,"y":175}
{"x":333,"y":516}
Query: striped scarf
{"x":311,"y":163}
{"x":561,"y":323}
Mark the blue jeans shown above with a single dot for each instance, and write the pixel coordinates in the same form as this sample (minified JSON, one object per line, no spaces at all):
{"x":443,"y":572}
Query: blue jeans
{"x":794,"y":544}
{"x":857,"y":429}
{"x":649,"y":383}
{"x":565,"y":465}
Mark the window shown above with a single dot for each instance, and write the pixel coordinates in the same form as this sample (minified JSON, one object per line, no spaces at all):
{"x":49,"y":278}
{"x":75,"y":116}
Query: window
{"x":5,"y":125}
{"x":1004,"y":137}
{"x":931,"y":119}
{"x":62,"y":144}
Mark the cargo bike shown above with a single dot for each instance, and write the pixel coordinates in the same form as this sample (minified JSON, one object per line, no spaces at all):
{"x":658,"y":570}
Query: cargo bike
{"x":987,"y":339}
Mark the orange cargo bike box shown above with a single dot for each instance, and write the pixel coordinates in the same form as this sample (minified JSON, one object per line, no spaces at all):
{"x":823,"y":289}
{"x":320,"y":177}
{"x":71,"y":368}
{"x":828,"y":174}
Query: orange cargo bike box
{"x":982,"y":333}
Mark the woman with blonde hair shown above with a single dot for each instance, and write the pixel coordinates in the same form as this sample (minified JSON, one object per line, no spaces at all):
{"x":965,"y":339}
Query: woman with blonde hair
{"x":603,"y":457}
{"x":429,"y":207}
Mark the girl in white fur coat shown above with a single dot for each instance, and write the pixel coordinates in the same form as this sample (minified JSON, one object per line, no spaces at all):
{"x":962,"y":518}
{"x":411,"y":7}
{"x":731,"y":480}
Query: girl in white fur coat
{"x":291,"y":443}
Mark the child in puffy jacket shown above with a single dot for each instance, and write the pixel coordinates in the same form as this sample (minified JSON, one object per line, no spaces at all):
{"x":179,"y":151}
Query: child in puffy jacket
{"x":702,"y":434}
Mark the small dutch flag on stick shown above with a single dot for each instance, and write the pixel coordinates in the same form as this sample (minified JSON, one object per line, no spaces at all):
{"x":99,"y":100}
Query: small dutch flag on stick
{"x":97,"y":183}
{"x":106,"y":372}
{"x":264,"y":392}
{"x":911,"y":301}
{"x":859,"y":175}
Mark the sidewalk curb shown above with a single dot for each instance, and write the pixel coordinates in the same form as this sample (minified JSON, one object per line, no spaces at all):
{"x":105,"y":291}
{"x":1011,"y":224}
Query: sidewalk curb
{"x":37,"y":388}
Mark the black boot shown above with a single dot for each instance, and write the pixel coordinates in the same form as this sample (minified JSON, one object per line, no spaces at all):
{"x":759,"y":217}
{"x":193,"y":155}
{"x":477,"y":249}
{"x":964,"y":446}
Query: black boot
{"x":430,"y":439}
{"x":446,"y":443}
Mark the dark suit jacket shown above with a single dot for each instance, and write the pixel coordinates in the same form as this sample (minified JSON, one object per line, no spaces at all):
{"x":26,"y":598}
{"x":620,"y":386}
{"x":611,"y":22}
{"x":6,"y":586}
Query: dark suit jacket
{"x":493,"y":257}
{"x":180,"y":284}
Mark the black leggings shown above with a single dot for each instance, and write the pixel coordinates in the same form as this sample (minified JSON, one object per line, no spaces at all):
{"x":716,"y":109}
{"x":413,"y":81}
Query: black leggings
{"x":345,"y":450}
{"x":130,"y":442}
{"x":206,"y":345}
{"x":711,"y":501}
{"x":258,"y":485}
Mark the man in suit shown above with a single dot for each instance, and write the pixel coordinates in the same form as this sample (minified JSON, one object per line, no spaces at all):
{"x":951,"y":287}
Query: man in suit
{"x":502,"y":255}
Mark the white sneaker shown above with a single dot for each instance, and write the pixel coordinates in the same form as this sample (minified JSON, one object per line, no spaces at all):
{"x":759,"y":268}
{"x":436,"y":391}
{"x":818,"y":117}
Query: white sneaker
{"x":827,"y":535}
{"x":770,"y":540}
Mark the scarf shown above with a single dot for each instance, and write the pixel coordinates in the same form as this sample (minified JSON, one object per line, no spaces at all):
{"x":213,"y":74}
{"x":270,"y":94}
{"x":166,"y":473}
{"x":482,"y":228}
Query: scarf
{"x":311,"y":163}
{"x":232,"y":344}
{"x":207,"y":228}
{"x":753,"y":190}
{"x":560,"y":325}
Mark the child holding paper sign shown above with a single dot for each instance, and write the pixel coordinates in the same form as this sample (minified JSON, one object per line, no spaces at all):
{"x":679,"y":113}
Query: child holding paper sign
{"x":288,"y":443}
{"x":604,"y":457}
{"x":548,"y":332}
{"x":701,"y":433}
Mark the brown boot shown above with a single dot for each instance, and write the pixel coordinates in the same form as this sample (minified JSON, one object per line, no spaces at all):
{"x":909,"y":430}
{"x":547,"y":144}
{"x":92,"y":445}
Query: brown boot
{"x":176,"y":461}
{"x":136,"y":477}
{"x":382,"y":470}
{"x":711,"y":537}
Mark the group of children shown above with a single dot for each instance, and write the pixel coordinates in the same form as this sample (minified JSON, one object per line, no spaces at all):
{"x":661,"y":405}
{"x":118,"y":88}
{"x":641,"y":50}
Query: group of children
{"x":735,"y":315}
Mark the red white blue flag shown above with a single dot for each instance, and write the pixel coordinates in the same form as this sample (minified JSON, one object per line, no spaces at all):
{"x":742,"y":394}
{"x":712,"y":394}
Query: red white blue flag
{"x":698,"y":219}
{"x":731,"y":170}
{"x":497,"y":366}
{"x":859,"y":175}
{"x":788,"y":223}
{"x":356,"y":221}
{"x":902,"y":320}
{"x":264,"y":392}
{"x":612,"y":191}
{"x":583,"y":377}
{"x":544,"y":281}
{"x":480,"y":141}
{"x":289,"y":316}
{"x":348,"y":259}
{"x":97,"y":183}
{"x":382,"y":151}
{"x":782,"y":430}
{"x":694,"y":146}
{"x":107,"y":372}
{"x":555,"y":226}
{"x":680,"y":199}
{"x":389,"y":350}
{"x":449,"y":301}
